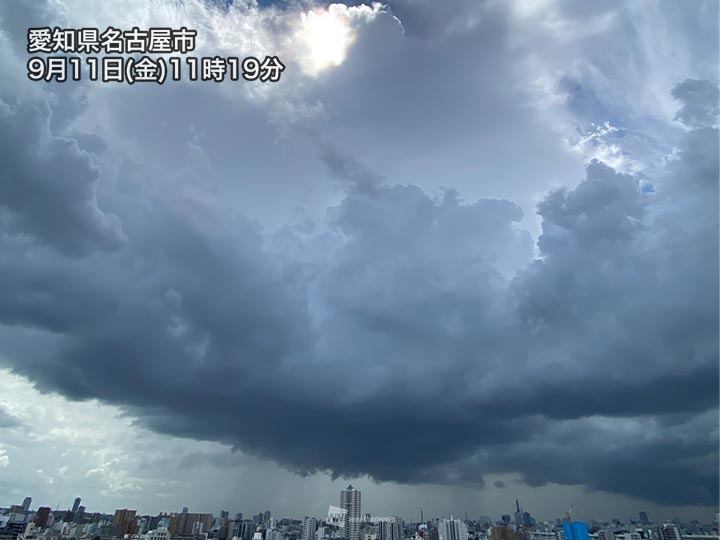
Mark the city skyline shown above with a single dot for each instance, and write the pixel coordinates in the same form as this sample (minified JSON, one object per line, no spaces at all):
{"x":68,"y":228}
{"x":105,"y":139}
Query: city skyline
{"x":456,"y":254}
{"x":640,"y":516}
{"x":21,"y":522}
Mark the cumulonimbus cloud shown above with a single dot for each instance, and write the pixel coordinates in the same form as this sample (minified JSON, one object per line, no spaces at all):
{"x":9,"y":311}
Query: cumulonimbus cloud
{"x":408,"y":337}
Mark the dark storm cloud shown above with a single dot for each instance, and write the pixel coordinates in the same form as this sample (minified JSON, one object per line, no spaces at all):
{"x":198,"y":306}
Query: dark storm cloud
{"x":678,"y":465}
{"x":408,"y":337}
{"x":48,"y":184}
{"x":398,"y":350}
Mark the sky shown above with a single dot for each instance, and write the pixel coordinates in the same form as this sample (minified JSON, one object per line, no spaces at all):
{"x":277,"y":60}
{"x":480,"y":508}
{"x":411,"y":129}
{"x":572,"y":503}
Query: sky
{"x":463,"y":252}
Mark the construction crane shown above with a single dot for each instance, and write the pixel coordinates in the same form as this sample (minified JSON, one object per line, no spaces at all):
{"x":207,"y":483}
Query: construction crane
{"x":569,"y":512}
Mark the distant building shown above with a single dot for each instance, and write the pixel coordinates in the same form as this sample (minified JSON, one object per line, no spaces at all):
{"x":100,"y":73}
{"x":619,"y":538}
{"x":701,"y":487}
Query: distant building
{"x":190,"y":523}
{"x":79,"y":516}
{"x":124,"y":522}
{"x":158,"y":534}
{"x":628,"y":536}
{"x":669,"y":531}
{"x":518,"y":515}
{"x":644,"y":517}
{"x":309,"y":528}
{"x":542,"y":535}
{"x":76,"y":505}
{"x":42,"y":517}
{"x":502,"y":533}
{"x":350,"y":501}
{"x":452,"y":529}
{"x":143,"y":524}
{"x":606,"y":534}
{"x":389,"y":530}
{"x":26,"y":504}
{"x":243,"y":529}
{"x":31,"y":533}
{"x":10,"y":530}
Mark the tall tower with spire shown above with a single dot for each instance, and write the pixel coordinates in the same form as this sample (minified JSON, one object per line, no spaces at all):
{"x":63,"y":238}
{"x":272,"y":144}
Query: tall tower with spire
{"x":518,"y":515}
{"x":350,"y":501}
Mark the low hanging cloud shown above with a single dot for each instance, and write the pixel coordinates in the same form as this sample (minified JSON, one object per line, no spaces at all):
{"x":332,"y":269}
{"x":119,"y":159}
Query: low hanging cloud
{"x":403,"y":320}
{"x":48,"y":184}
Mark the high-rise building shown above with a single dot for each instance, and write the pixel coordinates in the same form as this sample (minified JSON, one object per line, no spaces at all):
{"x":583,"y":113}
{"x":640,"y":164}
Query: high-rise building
{"x":350,"y":501}
{"x":189,"y":523}
{"x":42,"y":517}
{"x":606,"y":534}
{"x":502,"y":533}
{"x":26,"y":504}
{"x":80,"y":515}
{"x":518,"y":515}
{"x":76,"y":505}
{"x":124,"y":522}
{"x":576,"y":530}
{"x":309,"y":528}
{"x":389,"y":529}
{"x":244,"y":529}
{"x":452,"y":529}
{"x":644,"y":517}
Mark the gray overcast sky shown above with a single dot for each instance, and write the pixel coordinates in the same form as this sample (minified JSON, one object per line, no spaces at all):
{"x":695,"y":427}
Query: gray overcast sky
{"x":462,"y":252}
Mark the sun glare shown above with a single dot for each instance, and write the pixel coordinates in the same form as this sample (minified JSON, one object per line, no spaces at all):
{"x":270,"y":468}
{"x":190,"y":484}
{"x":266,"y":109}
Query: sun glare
{"x":327,"y":35}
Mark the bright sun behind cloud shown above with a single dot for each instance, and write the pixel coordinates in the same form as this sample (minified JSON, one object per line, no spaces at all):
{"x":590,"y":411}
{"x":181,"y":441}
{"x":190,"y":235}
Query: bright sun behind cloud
{"x":327,"y":36}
